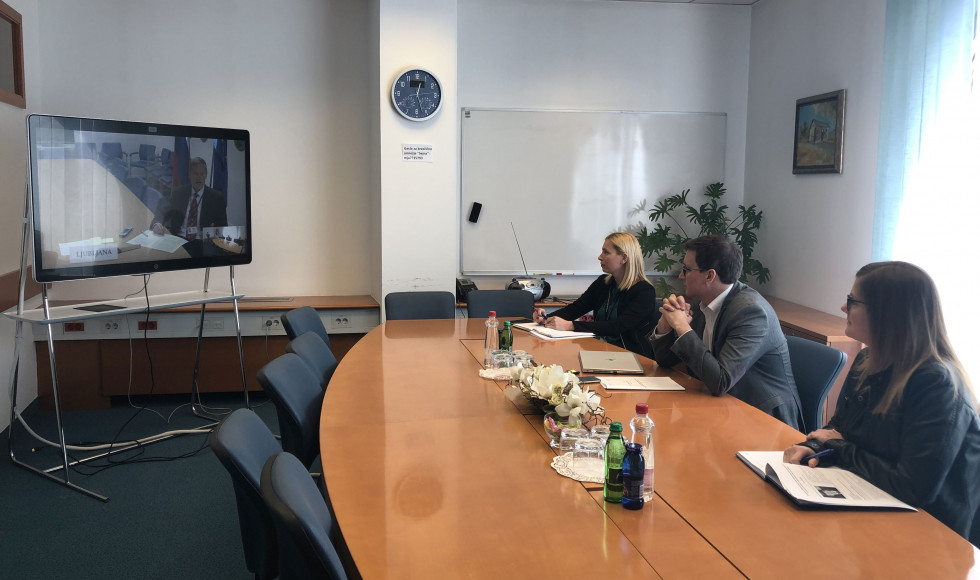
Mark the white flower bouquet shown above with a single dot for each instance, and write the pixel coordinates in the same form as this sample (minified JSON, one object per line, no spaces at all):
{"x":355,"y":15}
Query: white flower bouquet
{"x":550,"y":388}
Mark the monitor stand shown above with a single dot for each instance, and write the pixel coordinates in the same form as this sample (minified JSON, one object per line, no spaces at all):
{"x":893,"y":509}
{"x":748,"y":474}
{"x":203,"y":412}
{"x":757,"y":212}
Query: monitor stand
{"x":47,"y":316}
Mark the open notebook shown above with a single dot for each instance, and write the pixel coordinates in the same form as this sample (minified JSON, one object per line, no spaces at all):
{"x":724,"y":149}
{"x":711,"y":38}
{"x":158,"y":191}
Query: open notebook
{"x":546,"y":333}
{"x":824,"y":486}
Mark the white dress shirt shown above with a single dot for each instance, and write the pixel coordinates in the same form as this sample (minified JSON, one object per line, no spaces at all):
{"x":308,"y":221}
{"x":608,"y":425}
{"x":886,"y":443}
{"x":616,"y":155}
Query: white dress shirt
{"x":711,"y":315}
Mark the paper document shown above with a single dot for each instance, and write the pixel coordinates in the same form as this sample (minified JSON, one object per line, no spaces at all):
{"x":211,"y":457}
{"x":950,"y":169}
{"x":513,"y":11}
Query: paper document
{"x":546,"y":333}
{"x":166,"y":242}
{"x":757,"y":460}
{"x":641,"y":384}
{"x":552,"y":334}
{"x":827,"y":486}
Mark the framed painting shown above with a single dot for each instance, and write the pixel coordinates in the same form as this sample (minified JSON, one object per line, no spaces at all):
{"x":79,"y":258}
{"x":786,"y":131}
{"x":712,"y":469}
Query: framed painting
{"x":11,"y":57}
{"x":818,"y":138}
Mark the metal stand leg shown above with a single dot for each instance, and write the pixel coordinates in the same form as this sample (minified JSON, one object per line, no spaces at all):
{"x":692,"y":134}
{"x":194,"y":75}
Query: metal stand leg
{"x":238,"y":332}
{"x":25,"y":237}
{"x":195,"y":391}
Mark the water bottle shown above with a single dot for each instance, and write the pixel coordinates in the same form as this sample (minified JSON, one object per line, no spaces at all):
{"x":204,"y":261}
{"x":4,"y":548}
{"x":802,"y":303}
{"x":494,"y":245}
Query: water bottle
{"x":612,"y":489}
{"x":642,"y":426}
{"x":633,"y":477}
{"x":507,"y":338}
{"x":490,"y":342}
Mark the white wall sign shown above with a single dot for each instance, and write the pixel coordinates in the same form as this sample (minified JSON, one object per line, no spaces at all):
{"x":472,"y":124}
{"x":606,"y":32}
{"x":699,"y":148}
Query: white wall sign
{"x":417,"y":153}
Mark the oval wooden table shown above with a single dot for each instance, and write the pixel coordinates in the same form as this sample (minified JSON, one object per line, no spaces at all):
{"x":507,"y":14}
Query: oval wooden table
{"x":434,"y":473}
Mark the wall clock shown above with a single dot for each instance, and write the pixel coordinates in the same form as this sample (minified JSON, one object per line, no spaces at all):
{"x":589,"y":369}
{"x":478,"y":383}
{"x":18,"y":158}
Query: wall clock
{"x":416,"y":94}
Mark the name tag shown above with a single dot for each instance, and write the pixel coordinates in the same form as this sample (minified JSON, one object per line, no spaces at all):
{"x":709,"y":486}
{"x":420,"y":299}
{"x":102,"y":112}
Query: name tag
{"x":99,"y":253}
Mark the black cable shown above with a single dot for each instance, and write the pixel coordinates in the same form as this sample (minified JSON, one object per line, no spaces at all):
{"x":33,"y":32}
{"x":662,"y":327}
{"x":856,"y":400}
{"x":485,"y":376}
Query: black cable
{"x":139,"y":449}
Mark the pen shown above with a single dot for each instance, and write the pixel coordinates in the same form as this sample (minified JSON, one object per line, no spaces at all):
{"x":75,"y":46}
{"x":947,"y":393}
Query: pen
{"x":817,"y":455}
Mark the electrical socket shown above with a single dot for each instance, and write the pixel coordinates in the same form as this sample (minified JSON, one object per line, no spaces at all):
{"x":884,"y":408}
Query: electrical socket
{"x":111,"y":325}
{"x":271,"y":323}
{"x":74,"y":327}
{"x":147,"y":325}
{"x":341,"y":321}
{"x":214,"y":324}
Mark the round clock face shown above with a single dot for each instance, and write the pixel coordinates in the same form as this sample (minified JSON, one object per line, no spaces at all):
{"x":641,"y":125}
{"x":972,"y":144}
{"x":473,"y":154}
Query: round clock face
{"x":416,"y":94}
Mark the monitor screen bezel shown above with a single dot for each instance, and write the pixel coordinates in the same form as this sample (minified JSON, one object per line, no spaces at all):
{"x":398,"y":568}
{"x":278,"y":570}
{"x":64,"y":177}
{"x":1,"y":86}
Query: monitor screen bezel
{"x":235,"y":137}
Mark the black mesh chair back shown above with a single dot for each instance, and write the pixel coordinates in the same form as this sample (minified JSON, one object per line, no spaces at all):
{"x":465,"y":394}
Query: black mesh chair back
{"x":420,"y":305}
{"x":243,"y":444}
{"x":301,"y":519}
{"x":315,"y":354}
{"x":301,"y":320}
{"x":296,"y":392}
{"x":815,"y":368}
{"x":505,"y":302}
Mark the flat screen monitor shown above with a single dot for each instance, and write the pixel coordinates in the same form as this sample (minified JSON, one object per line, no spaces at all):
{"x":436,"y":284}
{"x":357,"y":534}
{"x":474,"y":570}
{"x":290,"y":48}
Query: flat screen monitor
{"x":111,"y":198}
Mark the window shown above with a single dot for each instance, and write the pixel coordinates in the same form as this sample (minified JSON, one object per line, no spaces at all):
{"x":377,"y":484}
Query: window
{"x":928,"y":186}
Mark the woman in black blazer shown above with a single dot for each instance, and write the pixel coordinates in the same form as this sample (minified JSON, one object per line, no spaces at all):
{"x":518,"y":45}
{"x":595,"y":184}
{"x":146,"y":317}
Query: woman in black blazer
{"x":622,"y":301}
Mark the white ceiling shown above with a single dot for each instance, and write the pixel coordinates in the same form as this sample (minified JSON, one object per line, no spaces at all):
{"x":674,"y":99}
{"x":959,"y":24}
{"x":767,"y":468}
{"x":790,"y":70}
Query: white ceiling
{"x":742,"y":2}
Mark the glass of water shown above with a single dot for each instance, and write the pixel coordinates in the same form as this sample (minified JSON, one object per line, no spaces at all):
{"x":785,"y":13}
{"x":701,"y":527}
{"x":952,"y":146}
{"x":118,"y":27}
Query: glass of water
{"x":568,"y":438}
{"x":587,"y":458}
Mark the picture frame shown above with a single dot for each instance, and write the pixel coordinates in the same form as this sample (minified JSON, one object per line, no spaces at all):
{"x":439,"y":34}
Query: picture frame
{"x":818,"y":135}
{"x":11,"y":57}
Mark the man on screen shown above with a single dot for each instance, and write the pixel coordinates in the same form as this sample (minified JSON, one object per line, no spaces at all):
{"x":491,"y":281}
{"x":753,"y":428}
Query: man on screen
{"x":191,"y":207}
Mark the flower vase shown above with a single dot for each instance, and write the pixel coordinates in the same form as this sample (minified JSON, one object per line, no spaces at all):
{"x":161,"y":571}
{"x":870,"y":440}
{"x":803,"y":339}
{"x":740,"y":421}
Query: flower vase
{"x":555,"y":423}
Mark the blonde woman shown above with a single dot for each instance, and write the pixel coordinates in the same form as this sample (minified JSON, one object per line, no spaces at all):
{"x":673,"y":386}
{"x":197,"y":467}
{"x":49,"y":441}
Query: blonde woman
{"x":622,"y":301}
{"x":905,"y":420}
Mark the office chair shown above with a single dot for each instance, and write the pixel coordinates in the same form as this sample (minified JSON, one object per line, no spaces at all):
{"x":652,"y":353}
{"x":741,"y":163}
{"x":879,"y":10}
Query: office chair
{"x":815,"y":368}
{"x":151,"y":198}
{"x":302,"y":320}
{"x":144,"y":157}
{"x":137,"y":185}
{"x":302,"y":521}
{"x":505,"y":302}
{"x":419,"y":305}
{"x":111,"y":150}
{"x":297,"y":395}
{"x":315,"y":354}
{"x":243,"y":443}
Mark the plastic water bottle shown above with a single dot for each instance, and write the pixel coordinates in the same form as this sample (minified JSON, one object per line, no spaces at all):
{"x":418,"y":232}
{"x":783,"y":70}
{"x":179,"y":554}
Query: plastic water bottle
{"x":642,"y":426}
{"x":633,"y":477}
{"x":612,"y":489}
{"x":507,"y":338}
{"x":491,"y":341}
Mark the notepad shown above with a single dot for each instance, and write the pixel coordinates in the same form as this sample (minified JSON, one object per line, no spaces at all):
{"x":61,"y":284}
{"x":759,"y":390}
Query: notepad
{"x":546,"y":333}
{"x":641,"y":384}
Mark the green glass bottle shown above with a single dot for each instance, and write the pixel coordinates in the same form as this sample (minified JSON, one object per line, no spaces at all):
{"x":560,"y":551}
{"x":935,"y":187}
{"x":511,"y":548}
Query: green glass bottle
{"x":612,"y":490}
{"x":507,"y":337}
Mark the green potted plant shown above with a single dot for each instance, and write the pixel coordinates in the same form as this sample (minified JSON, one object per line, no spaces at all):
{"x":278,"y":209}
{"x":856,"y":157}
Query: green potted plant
{"x":671,"y":231}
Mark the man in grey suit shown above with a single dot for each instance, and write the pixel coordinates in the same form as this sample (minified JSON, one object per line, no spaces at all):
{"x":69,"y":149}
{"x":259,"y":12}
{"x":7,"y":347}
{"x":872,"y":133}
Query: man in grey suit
{"x":731,"y":339}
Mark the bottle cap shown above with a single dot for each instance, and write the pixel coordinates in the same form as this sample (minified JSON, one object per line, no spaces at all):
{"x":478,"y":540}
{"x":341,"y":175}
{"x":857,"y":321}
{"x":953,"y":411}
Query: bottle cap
{"x":507,"y":323}
{"x":493,"y":314}
{"x":635,"y":447}
{"x":642,"y":409}
{"x":616,"y":427}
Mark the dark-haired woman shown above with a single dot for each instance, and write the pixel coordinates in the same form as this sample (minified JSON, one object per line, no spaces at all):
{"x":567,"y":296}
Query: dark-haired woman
{"x":906,"y":419}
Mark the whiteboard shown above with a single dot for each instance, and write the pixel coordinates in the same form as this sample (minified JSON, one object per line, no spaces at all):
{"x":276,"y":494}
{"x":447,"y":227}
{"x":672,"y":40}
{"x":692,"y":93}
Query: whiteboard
{"x":567,"y":179}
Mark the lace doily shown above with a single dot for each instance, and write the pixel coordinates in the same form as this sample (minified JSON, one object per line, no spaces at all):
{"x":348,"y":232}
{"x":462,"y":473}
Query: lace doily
{"x":563,"y":465}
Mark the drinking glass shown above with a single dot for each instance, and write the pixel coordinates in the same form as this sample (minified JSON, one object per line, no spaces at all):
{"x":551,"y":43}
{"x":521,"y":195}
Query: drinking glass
{"x":523,"y":359}
{"x":587,"y":458}
{"x":501,"y":359}
{"x":554,"y":424}
{"x":600,"y":432}
{"x":568,"y":438}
